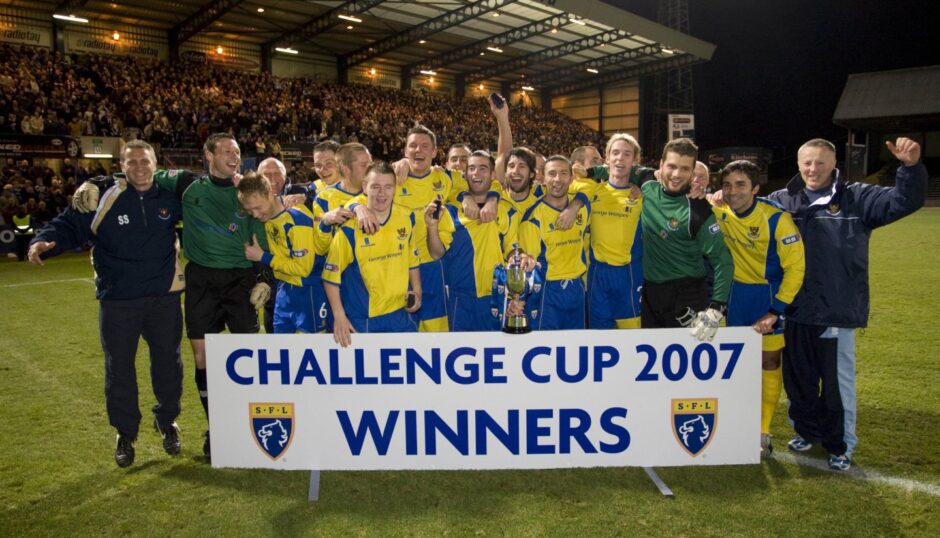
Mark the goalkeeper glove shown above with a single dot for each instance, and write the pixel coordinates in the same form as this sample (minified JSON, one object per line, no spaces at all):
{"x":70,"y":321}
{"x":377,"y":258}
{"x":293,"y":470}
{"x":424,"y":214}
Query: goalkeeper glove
{"x":260,"y":295}
{"x":687,"y":317}
{"x":85,"y":198}
{"x":706,"y":324}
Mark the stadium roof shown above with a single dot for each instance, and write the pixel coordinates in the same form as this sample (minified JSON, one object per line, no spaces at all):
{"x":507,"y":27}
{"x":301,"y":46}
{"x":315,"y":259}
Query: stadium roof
{"x":544,"y":44}
{"x":891,"y":100}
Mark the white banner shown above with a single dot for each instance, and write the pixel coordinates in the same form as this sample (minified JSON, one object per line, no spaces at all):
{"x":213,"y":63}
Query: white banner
{"x":485,"y":400}
{"x":100,"y":41}
{"x":13,"y":31}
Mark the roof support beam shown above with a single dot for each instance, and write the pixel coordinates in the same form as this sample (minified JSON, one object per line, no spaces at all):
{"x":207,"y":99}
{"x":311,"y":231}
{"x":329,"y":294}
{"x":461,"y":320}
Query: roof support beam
{"x":69,"y":7}
{"x":453,"y":57}
{"x":609,"y":14}
{"x":649,"y":68}
{"x":545,"y":55}
{"x":425,"y":29}
{"x":322,"y":23}
{"x":201,"y":19}
{"x":578,"y":70}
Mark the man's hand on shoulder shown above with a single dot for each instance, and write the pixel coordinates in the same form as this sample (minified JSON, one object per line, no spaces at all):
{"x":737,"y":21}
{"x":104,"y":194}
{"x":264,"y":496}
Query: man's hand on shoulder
{"x":716,"y":198}
{"x":368,"y":221}
{"x":85,"y":199}
{"x":291,"y":200}
{"x":337,"y":216}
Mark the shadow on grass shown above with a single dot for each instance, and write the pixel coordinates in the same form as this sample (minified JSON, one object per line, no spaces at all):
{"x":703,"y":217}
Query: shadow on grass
{"x":454,"y":498}
{"x":892,"y":440}
{"x":435,"y":501}
{"x":899,"y":440}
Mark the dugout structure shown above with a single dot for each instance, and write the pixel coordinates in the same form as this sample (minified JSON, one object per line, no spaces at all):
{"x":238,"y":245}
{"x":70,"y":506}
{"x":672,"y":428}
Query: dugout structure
{"x":879,"y":106}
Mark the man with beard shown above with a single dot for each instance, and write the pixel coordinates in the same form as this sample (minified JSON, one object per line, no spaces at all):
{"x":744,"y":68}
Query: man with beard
{"x":768,"y":272}
{"x":677,"y":233}
{"x":470,"y":249}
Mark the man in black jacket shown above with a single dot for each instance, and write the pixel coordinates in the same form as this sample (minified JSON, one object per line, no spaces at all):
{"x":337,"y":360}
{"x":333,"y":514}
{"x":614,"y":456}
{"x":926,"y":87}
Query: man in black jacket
{"x":139,"y":281}
{"x":836,"y":221}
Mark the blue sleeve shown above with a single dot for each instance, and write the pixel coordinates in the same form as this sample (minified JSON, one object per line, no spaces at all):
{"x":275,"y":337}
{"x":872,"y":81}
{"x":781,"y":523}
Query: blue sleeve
{"x":878,"y":206}
{"x":70,"y":229}
{"x":584,"y":200}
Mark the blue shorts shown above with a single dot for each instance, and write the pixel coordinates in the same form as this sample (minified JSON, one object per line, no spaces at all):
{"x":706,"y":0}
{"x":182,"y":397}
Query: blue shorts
{"x":613,"y":293}
{"x":433,"y":297}
{"x":471,"y":313}
{"x":750,"y":302}
{"x":558,"y":306}
{"x":299,"y":309}
{"x":398,"y":321}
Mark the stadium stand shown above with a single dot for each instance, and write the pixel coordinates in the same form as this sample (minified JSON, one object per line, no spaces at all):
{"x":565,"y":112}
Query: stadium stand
{"x":177,"y":106}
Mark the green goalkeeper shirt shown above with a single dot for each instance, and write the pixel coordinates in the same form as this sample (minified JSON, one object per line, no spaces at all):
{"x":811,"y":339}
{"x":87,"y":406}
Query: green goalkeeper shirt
{"x":216,"y":228}
{"x":677,"y":233}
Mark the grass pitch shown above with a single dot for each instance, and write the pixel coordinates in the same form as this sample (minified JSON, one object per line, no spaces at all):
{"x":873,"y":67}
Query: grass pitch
{"x":57,"y":475}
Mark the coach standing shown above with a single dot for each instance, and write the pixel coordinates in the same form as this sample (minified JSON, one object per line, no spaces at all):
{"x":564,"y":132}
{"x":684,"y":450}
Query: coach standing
{"x":138,"y":282}
{"x":223,"y":288}
{"x":836,"y":221}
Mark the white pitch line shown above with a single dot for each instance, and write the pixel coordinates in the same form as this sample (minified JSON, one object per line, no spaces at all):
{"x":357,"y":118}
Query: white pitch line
{"x":89,"y":280}
{"x":862,"y":474}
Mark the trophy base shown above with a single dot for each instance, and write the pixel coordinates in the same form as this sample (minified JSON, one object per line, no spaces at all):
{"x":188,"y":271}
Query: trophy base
{"x":517,"y":330}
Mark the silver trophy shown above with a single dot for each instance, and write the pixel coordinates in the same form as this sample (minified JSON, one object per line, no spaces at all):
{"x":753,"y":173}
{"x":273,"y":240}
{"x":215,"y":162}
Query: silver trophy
{"x":518,"y":286}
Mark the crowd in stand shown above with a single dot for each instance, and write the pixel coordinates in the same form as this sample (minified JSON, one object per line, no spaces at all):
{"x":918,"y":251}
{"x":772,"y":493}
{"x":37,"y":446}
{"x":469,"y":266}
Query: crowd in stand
{"x":44,"y":92}
{"x":179,"y":105}
{"x":37,"y":190}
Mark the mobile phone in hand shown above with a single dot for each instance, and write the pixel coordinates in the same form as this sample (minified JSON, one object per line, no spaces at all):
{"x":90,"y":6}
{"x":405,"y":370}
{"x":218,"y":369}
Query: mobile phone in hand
{"x":437,"y":210}
{"x":497,"y":100}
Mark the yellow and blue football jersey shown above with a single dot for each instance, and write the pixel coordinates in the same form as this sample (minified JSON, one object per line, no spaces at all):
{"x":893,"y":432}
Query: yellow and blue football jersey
{"x":766,"y":247}
{"x":292,"y":249}
{"x":319,"y":185}
{"x":372,"y":270}
{"x":560,"y":252}
{"x":475,"y":248}
{"x":330,"y":198}
{"x":615,"y":224}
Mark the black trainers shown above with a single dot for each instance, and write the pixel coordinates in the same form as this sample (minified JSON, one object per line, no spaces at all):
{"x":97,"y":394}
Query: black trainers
{"x":124,"y":450}
{"x":171,"y":437}
{"x":206,"y":447}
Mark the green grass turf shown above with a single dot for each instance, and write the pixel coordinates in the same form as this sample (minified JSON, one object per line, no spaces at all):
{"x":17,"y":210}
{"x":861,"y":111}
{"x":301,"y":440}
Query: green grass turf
{"x":57,"y":475}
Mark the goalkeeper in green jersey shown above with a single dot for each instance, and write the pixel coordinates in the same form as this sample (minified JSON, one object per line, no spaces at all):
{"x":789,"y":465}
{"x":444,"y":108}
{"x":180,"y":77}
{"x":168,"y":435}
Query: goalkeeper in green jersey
{"x":677,"y":232}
